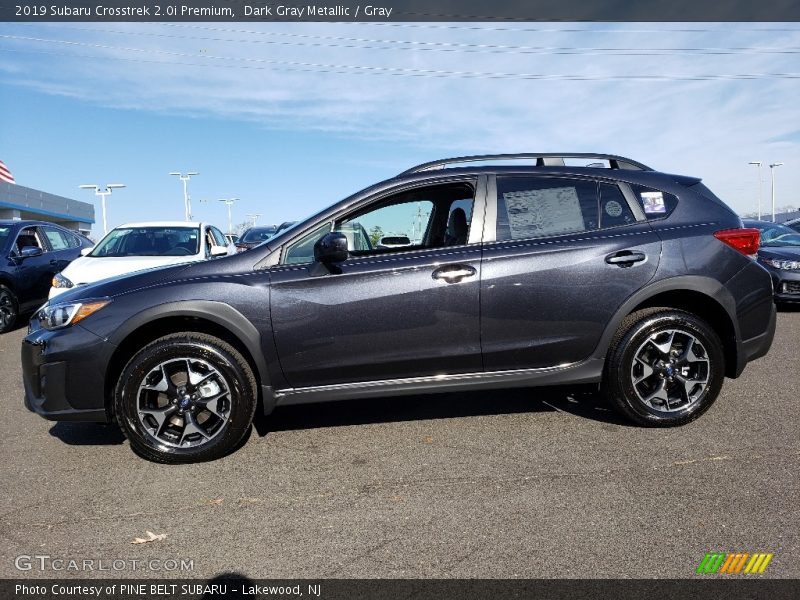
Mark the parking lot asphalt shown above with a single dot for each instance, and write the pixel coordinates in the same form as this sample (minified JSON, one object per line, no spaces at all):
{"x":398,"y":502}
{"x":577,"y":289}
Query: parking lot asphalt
{"x":528,"y":483}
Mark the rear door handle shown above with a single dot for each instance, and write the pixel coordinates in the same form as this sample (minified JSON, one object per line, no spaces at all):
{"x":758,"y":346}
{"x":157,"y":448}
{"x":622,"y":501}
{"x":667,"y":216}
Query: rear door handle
{"x":453,"y":273}
{"x":625,"y":258}
{"x":54,"y":262}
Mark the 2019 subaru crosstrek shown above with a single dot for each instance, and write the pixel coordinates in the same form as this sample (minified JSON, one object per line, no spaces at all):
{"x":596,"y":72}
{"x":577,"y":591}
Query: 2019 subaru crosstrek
{"x":522,"y":274}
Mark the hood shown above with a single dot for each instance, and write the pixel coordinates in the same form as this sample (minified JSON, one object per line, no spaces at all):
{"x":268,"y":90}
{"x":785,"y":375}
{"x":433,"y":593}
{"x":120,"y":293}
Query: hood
{"x":780,"y":252}
{"x":114,"y":286}
{"x":87,"y":269}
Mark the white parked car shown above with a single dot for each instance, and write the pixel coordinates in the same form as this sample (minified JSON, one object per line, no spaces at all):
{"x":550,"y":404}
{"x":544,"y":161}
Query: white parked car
{"x":136,"y":246}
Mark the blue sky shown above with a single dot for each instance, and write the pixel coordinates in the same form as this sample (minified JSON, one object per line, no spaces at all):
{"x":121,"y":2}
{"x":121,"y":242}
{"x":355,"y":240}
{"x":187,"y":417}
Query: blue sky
{"x":292,"y":117}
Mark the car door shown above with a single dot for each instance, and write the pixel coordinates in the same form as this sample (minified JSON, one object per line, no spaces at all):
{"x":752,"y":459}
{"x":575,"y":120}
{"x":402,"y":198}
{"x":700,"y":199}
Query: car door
{"x":385,"y":313}
{"x":63,"y":245}
{"x":566,"y":253}
{"x":33,"y":274}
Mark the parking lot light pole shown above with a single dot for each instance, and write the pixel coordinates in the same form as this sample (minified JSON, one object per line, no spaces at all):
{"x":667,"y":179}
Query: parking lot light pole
{"x":254,"y":216}
{"x":758,"y":163}
{"x":772,"y":173}
{"x":102,"y":193}
{"x":229,"y":202}
{"x":187,"y":202}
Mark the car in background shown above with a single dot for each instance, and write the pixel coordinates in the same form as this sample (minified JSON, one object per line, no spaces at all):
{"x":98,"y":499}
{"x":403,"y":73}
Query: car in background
{"x":254,"y":236}
{"x":780,"y":254}
{"x":136,"y":246}
{"x":32,"y":252}
{"x":232,"y":238}
{"x":793,"y":224}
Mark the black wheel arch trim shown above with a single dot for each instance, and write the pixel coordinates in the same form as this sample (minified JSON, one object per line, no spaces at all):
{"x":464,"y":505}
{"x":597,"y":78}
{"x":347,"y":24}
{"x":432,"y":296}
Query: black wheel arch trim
{"x":712,"y":288}
{"x":221,"y":314}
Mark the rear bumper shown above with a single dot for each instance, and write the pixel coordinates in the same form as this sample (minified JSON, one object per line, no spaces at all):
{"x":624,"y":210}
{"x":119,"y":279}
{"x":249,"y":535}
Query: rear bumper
{"x":63,"y":374}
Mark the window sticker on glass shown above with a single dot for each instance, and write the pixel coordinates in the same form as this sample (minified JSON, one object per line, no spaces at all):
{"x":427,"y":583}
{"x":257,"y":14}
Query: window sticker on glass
{"x":550,"y":211}
{"x":653,"y":203}
{"x":613,"y":208}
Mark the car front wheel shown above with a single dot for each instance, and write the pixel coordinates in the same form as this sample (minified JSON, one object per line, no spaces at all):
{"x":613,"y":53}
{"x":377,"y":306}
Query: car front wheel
{"x":665,"y":367}
{"x":185,"y":397}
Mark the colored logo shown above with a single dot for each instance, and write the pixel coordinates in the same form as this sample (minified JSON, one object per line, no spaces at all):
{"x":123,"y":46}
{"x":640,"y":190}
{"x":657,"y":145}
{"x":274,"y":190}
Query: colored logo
{"x":734,"y":563}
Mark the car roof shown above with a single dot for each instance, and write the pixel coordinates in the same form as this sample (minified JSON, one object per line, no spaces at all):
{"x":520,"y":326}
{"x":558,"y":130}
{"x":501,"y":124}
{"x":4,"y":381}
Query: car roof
{"x":194,"y":224}
{"x":27,"y":223}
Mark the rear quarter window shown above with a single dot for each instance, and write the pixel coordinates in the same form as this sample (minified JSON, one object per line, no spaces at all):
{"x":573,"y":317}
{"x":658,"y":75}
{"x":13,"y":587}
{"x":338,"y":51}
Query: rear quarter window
{"x":655,"y":203}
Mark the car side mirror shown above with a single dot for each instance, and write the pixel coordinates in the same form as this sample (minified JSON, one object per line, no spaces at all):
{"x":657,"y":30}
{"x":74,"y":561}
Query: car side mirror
{"x":30,"y":252}
{"x":331,"y":248}
{"x":85,"y":251}
{"x":219,"y":251}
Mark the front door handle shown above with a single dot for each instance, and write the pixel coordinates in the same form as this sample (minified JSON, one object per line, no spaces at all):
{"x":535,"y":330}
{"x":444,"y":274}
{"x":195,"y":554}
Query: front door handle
{"x":453,"y":273}
{"x":625,"y":258}
{"x":54,"y":262}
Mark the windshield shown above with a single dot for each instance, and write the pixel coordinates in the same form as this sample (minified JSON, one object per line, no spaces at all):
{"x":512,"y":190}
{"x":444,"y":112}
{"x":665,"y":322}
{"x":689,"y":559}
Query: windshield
{"x":4,"y":231}
{"x":148,"y":241}
{"x":773,"y":236}
{"x":258,"y":234}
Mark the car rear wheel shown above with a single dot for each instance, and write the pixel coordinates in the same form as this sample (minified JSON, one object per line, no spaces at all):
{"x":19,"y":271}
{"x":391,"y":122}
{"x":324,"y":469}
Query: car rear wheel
{"x":185,"y":397}
{"x":9,"y":309}
{"x":665,"y":367}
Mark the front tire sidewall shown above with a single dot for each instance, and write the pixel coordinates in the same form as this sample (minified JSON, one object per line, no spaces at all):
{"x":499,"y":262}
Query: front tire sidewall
{"x":13,"y":305}
{"x":622,"y":386}
{"x":126,"y":402}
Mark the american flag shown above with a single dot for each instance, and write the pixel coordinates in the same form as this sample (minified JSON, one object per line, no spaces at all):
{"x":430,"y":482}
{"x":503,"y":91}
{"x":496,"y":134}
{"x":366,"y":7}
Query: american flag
{"x":5,"y":174}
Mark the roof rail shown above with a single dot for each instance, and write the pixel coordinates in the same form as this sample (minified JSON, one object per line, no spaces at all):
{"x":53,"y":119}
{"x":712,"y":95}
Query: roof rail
{"x":552,"y":159}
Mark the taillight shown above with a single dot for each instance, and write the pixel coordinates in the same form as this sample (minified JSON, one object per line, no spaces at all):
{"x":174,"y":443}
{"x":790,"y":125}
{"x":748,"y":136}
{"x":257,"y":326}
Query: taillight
{"x":745,"y":240}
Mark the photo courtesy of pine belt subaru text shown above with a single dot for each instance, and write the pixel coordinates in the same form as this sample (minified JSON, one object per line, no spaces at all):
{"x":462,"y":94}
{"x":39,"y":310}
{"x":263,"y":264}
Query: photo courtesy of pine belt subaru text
{"x":472,"y":273}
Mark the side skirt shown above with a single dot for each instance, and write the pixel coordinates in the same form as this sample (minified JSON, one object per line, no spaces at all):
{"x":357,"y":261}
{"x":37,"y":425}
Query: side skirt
{"x":588,"y":371}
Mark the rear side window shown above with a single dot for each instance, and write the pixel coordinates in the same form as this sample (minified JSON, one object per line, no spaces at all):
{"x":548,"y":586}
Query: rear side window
{"x":614,"y":208}
{"x":58,"y":239}
{"x":655,"y":203}
{"x":531,"y":207}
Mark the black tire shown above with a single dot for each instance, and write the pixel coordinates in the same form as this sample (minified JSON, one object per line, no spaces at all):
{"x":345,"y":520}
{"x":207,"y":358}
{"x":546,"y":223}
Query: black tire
{"x":632,"y":338}
{"x":225,"y":367}
{"x":9,"y":309}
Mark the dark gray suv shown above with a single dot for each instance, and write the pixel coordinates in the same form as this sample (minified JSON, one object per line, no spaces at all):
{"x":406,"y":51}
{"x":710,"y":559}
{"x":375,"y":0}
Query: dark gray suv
{"x":514,"y":271}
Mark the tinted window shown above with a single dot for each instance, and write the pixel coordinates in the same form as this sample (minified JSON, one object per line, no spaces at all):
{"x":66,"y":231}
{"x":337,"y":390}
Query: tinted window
{"x":614,"y":209}
{"x":27,"y":237}
{"x":655,"y":204}
{"x":58,"y":239}
{"x":531,"y":207}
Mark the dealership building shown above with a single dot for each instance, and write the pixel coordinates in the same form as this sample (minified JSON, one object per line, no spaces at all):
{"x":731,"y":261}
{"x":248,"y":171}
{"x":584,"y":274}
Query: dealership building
{"x":20,"y":202}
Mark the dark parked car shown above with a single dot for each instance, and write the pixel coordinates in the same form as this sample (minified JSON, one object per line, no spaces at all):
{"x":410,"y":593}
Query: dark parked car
{"x":516,"y":275}
{"x":32,"y":253}
{"x":254,"y":236}
{"x":780,"y":254}
{"x":794,"y":224}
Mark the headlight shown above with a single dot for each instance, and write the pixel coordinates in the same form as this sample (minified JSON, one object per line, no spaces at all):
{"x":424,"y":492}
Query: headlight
{"x":59,"y":281}
{"x":56,"y":316}
{"x":789,"y":265}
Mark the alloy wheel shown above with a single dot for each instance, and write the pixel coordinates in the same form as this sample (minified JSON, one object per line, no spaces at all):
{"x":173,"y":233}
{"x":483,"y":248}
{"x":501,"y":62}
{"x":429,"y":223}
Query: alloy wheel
{"x":670,"y":370}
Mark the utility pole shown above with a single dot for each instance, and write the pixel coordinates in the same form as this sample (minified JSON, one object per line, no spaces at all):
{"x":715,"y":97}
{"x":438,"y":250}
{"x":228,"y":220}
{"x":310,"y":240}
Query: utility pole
{"x":230,"y":202}
{"x":772,"y":173}
{"x":187,"y":202}
{"x":758,"y":164}
{"x":103,"y":193}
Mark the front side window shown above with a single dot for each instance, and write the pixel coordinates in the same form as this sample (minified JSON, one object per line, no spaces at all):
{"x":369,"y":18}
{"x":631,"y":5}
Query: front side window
{"x":27,"y":237}
{"x":429,"y":217}
{"x":532,"y":207}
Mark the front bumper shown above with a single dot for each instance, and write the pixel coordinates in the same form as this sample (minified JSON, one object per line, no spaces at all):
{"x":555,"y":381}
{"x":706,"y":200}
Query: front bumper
{"x":787,"y":285}
{"x":63,"y":373}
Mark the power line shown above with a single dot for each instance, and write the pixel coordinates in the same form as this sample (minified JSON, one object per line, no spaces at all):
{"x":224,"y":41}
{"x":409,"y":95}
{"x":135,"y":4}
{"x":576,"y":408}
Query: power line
{"x":455,"y":47}
{"x":298,"y":66}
